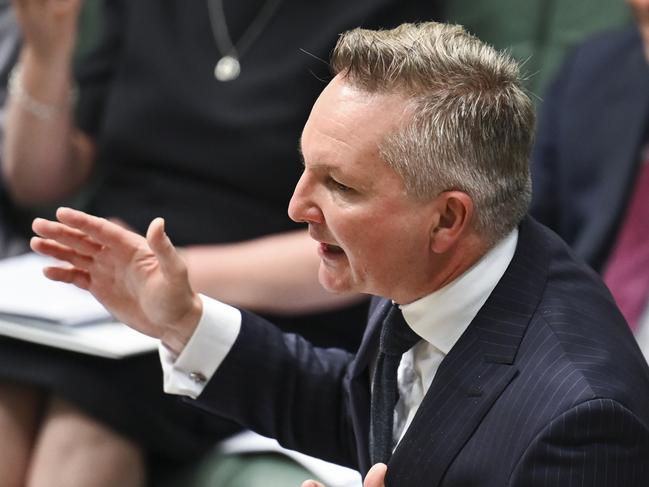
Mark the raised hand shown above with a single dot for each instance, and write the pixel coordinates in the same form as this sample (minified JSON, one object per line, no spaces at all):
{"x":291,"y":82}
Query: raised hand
{"x":375,"y":478}
{"x":49,"y":26}
{"x":141,"y":281}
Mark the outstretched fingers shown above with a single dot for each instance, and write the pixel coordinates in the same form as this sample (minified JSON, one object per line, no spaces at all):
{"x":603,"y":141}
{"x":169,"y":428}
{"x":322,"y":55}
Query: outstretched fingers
{"x":170,"y":262}
{"x":66,"y":235}
{"x":78,"y":277}
{"x":100,"y":230}
{"x":61,"y":252}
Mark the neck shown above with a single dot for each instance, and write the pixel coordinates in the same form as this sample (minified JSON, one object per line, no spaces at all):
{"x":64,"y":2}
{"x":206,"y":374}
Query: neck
{"x":445,"y":268}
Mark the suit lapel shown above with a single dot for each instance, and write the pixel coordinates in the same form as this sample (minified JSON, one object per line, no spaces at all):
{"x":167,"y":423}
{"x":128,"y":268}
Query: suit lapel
{"x":476,"y":370}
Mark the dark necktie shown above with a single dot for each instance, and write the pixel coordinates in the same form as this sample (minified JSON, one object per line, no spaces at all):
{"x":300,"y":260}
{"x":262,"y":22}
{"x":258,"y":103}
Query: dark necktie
{"x":627,"y":271}
{"x":396,"y":338}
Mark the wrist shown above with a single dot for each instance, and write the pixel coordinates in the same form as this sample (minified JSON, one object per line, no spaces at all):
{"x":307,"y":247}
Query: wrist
{"x":40,"y":109}
{"x":176,"y":335}
{"x":52,"y":62}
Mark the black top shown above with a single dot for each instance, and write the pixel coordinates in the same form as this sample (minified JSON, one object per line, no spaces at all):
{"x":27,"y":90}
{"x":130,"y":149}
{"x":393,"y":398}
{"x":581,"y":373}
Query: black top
{"x":218,"y":160}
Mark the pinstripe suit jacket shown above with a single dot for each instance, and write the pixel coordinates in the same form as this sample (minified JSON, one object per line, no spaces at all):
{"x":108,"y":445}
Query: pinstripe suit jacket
{"x":545,"y":388}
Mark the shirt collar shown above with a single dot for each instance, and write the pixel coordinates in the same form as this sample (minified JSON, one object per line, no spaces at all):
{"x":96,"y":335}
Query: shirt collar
{"x":440,"y":318}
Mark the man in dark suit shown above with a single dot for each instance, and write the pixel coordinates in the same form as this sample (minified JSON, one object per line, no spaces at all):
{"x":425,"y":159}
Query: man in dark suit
{"x":590,"y":162}
{"x":493,"y":358}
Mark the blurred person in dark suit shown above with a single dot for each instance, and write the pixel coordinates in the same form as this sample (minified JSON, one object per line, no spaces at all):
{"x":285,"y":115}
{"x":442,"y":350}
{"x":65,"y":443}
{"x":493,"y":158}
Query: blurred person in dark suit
{"x":590,"y":162}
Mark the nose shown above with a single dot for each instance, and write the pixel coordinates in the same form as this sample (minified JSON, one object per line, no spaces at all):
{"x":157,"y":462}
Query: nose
{"x":302,"y":208}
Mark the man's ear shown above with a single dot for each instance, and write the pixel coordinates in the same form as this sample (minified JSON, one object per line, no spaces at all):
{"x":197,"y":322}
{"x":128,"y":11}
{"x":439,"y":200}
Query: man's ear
{"x":453,"y":215}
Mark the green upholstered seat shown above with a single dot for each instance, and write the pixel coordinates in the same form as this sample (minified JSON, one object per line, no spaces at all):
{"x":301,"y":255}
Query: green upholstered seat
{"x":241,"y":470}
{"x":537,"y":31}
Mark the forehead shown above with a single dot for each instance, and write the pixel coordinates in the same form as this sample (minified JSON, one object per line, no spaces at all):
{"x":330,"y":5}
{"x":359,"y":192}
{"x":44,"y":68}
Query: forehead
{"x":346,"y":118}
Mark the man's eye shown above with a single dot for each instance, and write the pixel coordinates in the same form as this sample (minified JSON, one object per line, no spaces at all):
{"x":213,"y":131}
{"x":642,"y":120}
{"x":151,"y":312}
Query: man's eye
{"x":339,"y":186}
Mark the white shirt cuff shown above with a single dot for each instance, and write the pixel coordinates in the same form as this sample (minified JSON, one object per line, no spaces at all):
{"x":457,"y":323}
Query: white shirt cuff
{"x":188,"y":373}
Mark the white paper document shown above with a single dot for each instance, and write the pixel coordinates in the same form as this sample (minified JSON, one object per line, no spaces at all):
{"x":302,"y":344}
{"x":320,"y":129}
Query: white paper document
{"x":26,"y":292}
{"x":331,"y":474}
{"x":36,"y":309}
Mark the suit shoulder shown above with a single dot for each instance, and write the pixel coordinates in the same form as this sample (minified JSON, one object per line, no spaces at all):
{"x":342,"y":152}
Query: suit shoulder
{"x":599,"y":57}
{"x":577,"y":342}
{"x":606,"y":47}
{"x":606,"y":442}
{"x":589,"y":352}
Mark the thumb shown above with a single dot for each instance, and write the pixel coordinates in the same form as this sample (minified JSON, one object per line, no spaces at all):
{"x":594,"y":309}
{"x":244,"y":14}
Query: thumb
{"x":312,"y":483}
{"x":170,"y":262}
{"x":376,"y":476}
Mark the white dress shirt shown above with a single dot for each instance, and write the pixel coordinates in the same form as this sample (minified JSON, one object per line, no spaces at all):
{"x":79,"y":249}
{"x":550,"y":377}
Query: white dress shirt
{"x":642,"y":333}
{"x":439,"y":318}
{"x":217,"y":330}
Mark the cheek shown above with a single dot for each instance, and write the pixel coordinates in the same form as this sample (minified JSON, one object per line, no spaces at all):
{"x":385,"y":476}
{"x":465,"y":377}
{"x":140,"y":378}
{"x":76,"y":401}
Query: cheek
{"x":402,"y":246}
{"x":359,"y":241}
{"x":373,"y":251}
{"x":376,"y":244}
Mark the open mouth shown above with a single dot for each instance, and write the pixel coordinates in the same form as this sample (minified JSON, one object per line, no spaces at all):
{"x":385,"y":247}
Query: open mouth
{"x":330,"y":249}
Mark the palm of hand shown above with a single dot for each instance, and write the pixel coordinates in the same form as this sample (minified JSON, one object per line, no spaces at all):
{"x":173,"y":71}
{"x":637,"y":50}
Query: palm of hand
{"x":143,"y":282}
{"x":133,"y":287}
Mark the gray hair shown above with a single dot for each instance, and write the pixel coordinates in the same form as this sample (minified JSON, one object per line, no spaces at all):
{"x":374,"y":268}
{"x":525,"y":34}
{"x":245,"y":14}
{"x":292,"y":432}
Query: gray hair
{"x":471,"y":125}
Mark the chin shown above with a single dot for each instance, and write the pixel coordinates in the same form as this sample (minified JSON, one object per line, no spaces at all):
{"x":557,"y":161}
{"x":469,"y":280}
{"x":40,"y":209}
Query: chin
{"x":333,"y":283}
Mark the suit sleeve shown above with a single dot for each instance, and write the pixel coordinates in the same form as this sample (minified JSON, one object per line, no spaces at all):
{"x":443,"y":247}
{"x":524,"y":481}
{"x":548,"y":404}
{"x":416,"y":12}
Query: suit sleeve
{"x":281,"y":386}
{"x":598,"y":443}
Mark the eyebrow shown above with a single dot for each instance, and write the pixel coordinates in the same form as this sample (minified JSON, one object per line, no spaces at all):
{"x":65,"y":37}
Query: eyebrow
{"x":314,"y":165}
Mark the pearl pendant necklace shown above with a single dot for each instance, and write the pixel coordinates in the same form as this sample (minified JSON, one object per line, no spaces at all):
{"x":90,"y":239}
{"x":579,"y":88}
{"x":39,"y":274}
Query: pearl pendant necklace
{"x":228,"y":67}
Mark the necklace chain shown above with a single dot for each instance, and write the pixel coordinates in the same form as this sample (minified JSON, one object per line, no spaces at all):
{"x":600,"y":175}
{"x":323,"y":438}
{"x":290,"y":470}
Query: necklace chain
{"x":228,"y":68}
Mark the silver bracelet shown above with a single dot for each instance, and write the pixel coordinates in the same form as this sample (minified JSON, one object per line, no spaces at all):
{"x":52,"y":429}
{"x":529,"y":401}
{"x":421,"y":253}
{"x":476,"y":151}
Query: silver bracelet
{"x":41,"y":110}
